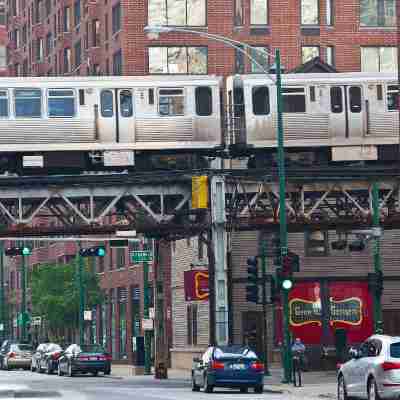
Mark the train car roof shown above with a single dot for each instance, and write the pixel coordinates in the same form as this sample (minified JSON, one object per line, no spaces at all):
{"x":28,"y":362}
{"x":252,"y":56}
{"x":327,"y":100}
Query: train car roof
{"x":320,"y":77}
{"x":114,"y":81}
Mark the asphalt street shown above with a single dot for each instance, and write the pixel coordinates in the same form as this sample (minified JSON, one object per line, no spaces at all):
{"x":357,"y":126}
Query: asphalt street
{"x":28,"y":385}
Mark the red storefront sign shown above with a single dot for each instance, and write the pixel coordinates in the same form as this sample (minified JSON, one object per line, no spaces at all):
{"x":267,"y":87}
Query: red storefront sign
{"x":196,"y":285}
{"x":315,"y":316}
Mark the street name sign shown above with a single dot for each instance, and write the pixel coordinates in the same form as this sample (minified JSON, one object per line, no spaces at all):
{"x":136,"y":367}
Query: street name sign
{"x":138,"y":256}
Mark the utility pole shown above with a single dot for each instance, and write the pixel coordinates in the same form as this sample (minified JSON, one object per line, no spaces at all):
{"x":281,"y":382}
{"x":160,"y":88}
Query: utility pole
{"x":287,"y":359}
{"x":23,"y":301}
{"x":146,"y":315}
{"x":2,"y":297}
{"x":378,"y":321}
{"x":264,"y":301}
{"x":81,"y":298}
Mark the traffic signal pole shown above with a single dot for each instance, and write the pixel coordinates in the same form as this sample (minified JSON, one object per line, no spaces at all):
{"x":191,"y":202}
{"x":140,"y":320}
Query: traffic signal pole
{"x":23,"y":300}
{"x":81,"y":298}
{"x":287,"y":364}
{"x":378,"y":321}
{"x":146,"y":315}
{"x":264,"y":302}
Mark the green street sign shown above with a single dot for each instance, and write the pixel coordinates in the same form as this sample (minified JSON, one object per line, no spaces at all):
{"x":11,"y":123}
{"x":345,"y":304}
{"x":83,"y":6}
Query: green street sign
{"x":140,"y":256}
{"x":22,"y":317}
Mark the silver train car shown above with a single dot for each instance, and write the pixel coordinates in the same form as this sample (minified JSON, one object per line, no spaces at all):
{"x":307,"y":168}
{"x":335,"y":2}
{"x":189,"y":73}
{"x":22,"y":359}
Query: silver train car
{"x":90,"y":123}
{"x":327,"y":117}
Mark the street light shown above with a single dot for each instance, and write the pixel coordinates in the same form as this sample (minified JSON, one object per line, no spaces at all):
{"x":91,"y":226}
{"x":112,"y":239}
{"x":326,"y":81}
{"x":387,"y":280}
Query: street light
{"x":242,"y":47}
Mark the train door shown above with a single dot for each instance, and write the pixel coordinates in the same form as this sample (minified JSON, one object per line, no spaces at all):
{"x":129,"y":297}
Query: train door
{"x":347,"y":113}
{"x":126,"y":120}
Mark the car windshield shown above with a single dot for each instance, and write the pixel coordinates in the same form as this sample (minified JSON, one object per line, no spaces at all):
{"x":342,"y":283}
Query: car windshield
{"x":91,"y":349}
{"x":234,"y":351}
{"x":395,"y":350}
{"x":22,"y":347}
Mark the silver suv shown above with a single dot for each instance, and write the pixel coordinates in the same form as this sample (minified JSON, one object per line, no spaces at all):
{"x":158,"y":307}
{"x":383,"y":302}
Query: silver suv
{"x":373,"y":372}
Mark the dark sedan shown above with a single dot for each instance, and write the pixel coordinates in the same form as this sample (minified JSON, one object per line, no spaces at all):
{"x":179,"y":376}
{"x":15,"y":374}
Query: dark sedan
{"x":228,"y":366}
{"x":84,"y":359}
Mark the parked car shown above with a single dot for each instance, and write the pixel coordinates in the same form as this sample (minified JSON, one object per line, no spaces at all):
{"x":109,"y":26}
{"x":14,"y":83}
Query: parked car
{"x":228,"y":366}
{"x":18,"y":356}
{"x":37,"y":355}
{"x":84,"y":359}
{"x":373,"y":371}
{"x":48,"y":360}
{"x":3,"y":350}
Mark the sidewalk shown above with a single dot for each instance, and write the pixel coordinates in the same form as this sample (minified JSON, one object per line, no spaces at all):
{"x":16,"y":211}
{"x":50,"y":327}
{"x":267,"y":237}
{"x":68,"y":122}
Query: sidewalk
{"x":320,"y":384}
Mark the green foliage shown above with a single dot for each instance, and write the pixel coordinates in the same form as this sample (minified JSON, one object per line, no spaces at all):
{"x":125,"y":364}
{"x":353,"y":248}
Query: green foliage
{"x":55,"y":293}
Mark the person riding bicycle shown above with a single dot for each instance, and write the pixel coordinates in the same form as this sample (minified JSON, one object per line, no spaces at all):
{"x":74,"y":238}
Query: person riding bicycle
{"x":298,"y":350}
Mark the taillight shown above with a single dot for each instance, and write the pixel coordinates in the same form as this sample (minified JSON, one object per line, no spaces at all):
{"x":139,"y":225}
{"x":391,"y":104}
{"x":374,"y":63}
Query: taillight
{"x":257,"y":366}
{"x":11,"y":355}
{"x":108,"y":357}
{"x":56,"y":356}
{"x":101,"y":358}
{"x":217,"y":365}
{"x":387,"y":365}
{"x":83,"y":358}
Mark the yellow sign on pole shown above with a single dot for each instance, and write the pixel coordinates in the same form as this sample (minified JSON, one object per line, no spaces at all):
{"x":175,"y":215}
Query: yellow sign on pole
{"x":199,"y":192}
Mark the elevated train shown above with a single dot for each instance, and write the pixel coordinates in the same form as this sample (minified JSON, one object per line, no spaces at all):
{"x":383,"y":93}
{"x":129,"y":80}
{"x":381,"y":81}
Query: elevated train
{"x":99,"y":123}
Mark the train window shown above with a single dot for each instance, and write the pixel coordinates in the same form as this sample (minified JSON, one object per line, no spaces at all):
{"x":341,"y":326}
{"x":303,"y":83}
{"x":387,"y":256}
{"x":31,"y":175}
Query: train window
{"x":171,"y":102}
{"x":3,"y":104}
{"x":393,"y":98}
{"x":261,"y":100}
{"x":61,"y":103}
{"x":107,"y":104}
{"x":312,"y":93}
{"x":336,"y":100}
{"x":355,"y":99}
{"x":379,"y":92}
{"x":294,"y":100}
{"x":151,"y":96}
{"x":125,"y":101}
{"x":28,"y":103}
{"x":203,"y":101}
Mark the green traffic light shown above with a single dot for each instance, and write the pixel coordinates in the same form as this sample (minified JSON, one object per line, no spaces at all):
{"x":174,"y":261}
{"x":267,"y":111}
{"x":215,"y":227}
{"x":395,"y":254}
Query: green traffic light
{"x":26,"y":251}
{"x":101,"y":252}
{"x":287,"y":284}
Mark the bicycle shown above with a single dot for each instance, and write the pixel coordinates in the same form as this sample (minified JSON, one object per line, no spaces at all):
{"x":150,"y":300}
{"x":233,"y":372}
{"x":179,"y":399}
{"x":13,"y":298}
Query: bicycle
{"x":296,"y":368}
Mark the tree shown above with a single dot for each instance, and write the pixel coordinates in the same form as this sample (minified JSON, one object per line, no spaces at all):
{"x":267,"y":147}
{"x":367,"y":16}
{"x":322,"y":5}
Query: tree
{"x":55,"y":294}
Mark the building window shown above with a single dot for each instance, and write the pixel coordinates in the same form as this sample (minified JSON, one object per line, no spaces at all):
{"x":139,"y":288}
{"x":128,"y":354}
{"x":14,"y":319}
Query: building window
{"x":2,"y":13}
{"x":24,"y":35}
{"x":117,"y":63}
{"x":78,"y":54}
{"x":294,"y":100}
{"x":239,"y":60}
{"x":309,"y":12}
{"x":67,"y":19}
{"x":260,"y":55}
{"x":49,"y":43}
{"x":330,"y":55}
{"x":171,"y":102}
{"x":77,"y":12}
{"x":258,"y":12}
{"x":238,"y":13}
{"x":3,"y":57}
{"x":177,"y":12}
{"x":191,"y":318}
{"x":116,"y":18}
{"x":377,"y":13}
{"x":39,"y":50}
{"x":96,"y":32}
{"x":329,"y":12}
{"x":67,"y":60}
{"x":178,"y":60}
{"x":379,"y":59}
{"x":106,"y":27}
{"x":308,"y":53}
{"x":48,"y":7}
{"x":316,"y":243}
{"x":28,"y":103}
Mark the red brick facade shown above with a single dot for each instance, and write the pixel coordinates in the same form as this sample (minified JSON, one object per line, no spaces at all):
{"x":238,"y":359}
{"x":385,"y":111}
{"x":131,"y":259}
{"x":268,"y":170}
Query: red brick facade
{"x":100,"y":46}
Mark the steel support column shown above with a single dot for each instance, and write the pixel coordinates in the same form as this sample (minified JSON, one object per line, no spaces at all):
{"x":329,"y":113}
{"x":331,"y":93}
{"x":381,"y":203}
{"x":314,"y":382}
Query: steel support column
{"x":219,"y":246}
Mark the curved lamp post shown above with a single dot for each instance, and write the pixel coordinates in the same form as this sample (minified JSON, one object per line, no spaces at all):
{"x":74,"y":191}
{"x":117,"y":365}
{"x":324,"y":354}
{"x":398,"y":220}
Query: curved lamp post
{"x":242,"y":47}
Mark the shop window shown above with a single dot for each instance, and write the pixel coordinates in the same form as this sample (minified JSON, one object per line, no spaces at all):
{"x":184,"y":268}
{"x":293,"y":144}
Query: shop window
{"x":294,"y":100}
{"x":203,"y":96}
{"x":261,"y":100}
{"x":377,"y":13}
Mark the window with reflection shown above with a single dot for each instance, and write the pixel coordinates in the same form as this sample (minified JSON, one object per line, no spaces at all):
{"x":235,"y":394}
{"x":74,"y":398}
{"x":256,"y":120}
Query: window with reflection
{"x":309,"y":12}
{"x":178,"y":60}
{"x":377,"y":12}
{"x":378,"y":59}
{"x":308,"y":53}
{"x":294,"y":100}
{"x":60,"y":103}
{"x":126,"y":104}
{"x":177,"y":12}
{"x":203,"y":95}
{"x":107,"y":103}
{"x":238,"y":13}
{"x":258,"y":12}
{"x":260,"y":99}
{"x":3,"y":104}
{"x":393,"y":98}
{"x":260,"y":55}
{"x":28,"y":103}
{"x":171,"y":102}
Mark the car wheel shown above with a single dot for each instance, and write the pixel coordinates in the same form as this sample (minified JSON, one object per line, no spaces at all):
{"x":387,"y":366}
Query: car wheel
{"x":49,"y":371}
{"x":95,"y":373}
{"x":244,"y":390}
{"x":195,"y":388}
{"x":70,"y":373}
{"x":341,"y":389}
{"x":33,"y":369}
{"x":372,"y":390}
{"x":107,"y":372}
{"x":259,"y":389}
{"x":207,"y":388}
{"x":59,"y":371}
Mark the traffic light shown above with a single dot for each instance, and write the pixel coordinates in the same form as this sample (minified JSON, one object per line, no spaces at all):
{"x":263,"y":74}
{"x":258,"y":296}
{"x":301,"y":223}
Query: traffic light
{"x":252,"y":278}
{"x":98,"y":251}
{"x":17,"y":251}
{"x":290,"y":264}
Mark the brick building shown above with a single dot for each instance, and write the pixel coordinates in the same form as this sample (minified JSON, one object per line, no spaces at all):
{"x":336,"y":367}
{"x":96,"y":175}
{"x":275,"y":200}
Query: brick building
{"x":48,"y":37}
{"x":3,"y":39}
